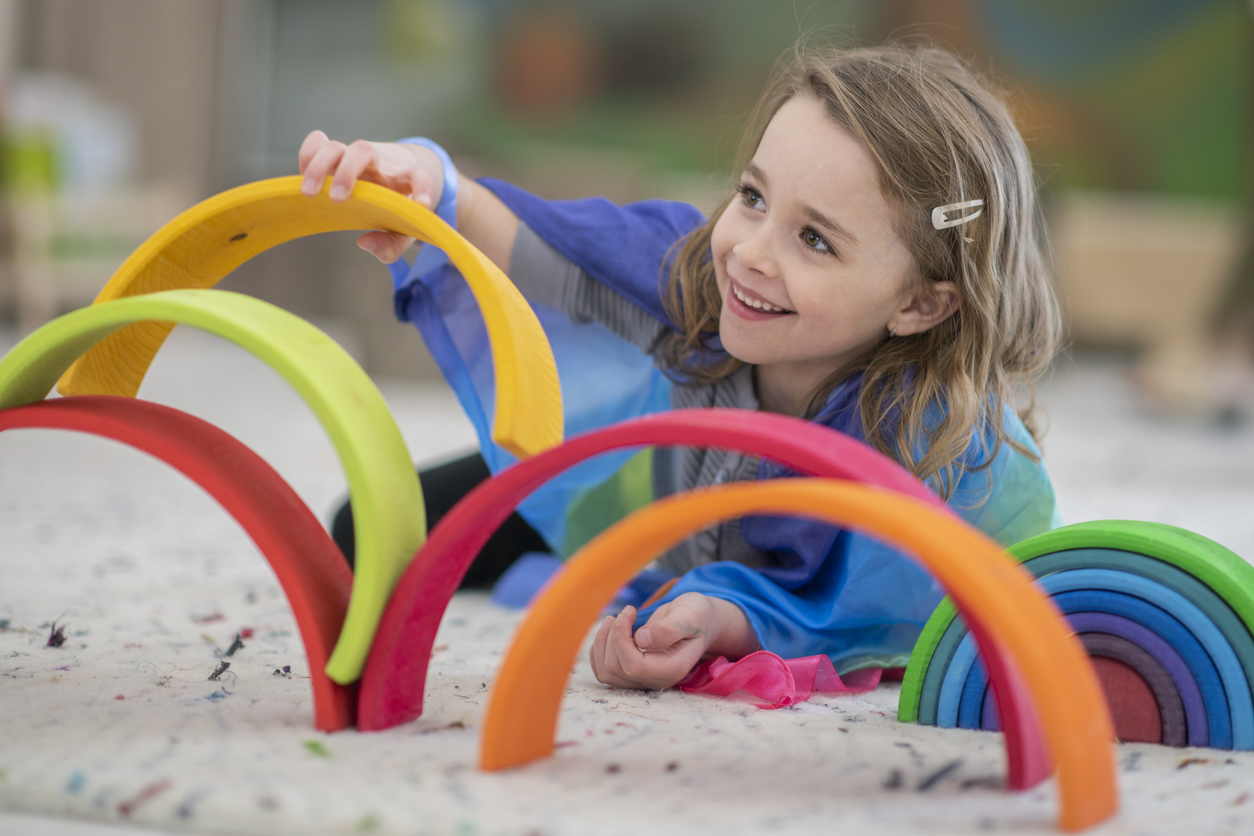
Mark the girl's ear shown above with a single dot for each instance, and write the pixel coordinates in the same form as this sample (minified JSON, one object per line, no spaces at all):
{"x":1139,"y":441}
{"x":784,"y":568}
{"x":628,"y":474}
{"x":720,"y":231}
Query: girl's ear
{"x":930,"y":306}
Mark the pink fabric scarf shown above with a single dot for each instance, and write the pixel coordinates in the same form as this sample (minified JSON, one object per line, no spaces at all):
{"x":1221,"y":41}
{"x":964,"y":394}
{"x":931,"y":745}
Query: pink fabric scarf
{"x":780,"y":682}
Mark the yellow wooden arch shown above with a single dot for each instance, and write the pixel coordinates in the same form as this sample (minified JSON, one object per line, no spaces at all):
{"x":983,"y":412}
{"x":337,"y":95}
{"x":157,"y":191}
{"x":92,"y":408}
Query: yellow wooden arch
{"x":202,"y":245}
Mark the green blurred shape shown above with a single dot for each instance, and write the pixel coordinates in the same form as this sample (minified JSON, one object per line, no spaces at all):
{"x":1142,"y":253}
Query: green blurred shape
{"x":628,"y":490}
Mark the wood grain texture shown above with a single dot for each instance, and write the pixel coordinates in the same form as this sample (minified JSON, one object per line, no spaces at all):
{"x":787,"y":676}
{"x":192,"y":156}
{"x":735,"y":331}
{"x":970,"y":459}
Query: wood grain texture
{"x":202,"y":245}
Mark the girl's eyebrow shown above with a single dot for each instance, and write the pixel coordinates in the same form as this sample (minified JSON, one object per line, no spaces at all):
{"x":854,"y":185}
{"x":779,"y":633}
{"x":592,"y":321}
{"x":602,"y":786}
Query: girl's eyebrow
{"x":755,"y":173}
{"x":833,"y":228}
{"x":811,"y":214}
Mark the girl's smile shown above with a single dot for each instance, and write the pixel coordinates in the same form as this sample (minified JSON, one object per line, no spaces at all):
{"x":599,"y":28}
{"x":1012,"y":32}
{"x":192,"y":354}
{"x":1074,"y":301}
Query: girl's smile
{"x":749,"y":305}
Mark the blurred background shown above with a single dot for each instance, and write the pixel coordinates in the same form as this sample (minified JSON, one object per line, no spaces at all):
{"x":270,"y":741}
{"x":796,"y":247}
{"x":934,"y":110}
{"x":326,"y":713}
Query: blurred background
{"x":117,"y":114}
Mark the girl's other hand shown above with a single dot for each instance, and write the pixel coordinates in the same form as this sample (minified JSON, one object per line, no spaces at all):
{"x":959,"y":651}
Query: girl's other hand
{"x":409,"y":169}
{"x":677,"y":636}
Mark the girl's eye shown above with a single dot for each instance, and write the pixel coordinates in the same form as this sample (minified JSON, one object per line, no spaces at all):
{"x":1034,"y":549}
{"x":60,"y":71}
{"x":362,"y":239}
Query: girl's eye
{"x":815,"y":241}
{"x":751,"y":197}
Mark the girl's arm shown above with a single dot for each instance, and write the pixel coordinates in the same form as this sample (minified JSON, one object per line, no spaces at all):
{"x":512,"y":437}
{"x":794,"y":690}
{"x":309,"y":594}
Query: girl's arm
{"x":415,"y":172}
{"x":677,"y":636}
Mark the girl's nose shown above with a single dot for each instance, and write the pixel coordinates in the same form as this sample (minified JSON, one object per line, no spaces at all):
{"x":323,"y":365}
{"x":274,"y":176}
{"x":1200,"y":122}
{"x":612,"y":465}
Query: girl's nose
{"x":757,"y":251}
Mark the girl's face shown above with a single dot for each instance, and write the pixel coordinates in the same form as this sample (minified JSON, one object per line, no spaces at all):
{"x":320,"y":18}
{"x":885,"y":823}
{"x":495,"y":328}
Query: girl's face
{"x":810,"y":268}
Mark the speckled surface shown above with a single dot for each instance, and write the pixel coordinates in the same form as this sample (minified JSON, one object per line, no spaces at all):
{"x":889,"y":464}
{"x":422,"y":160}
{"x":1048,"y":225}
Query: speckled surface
{"x":121,"y":727}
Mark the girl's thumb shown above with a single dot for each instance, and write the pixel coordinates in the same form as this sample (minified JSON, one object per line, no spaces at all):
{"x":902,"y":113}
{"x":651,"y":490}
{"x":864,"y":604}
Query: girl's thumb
{"x":644,"y":639}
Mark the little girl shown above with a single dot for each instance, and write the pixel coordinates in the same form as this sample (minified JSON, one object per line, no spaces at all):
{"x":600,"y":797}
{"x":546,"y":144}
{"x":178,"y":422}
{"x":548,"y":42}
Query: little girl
{"x":878,"y":270}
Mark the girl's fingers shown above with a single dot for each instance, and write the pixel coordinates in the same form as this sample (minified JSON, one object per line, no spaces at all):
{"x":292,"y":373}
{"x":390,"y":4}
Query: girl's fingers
{"x":620,"y":663}
{"x":687,"y":617}
{"x":610,"y":660}
{"x":360,"y":162}
{"x":623,"y":659}
{"x":388,"y":165}
{"x":596,"y":653}
{"x":661,"y":633}
{"x":320,"y":166}
{"x":422,"y":185}
{"x":385,"y":246}
{"x":309,"y":147}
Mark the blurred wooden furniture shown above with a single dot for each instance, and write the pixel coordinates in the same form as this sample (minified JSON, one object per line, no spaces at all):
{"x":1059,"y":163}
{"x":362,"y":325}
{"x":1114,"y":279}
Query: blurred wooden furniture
{"x":65,"y":246}
{"x":1142,"y":272}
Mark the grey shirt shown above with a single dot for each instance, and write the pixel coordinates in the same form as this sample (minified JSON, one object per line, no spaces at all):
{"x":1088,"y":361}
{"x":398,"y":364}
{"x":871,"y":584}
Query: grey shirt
{"x":546,"y":277}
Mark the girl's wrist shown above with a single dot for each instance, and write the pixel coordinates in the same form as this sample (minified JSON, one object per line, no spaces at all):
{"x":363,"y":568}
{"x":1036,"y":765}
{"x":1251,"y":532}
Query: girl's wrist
{"x":731,"y":634}
{"x":465,"y":205}
{"x":428,"y":161}
{"x":444,"y":176}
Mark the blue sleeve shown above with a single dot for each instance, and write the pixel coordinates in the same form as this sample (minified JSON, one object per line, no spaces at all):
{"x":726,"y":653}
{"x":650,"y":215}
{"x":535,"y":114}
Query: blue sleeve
{"x":863,"y":608}
{"x":853,"y":598}
{"x":604,"y":378}
{"x":627,"y":248}
{"x":1020,"y":502}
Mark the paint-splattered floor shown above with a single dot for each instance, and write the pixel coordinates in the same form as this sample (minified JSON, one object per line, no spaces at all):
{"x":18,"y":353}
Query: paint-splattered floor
{"x":120,"y":727}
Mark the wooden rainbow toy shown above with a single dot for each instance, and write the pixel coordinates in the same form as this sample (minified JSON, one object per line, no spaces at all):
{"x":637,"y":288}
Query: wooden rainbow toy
{"x":1101,"y":629}
{"x":1011,"y":616}
{"x":338,"y":392}
{"x":106,"y":350}
{"x":1166,"y":615}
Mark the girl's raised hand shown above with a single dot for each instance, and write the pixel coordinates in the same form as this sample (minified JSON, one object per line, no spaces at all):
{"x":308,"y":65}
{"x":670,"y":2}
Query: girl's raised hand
{"x":676,"y":637}
{"x":412,"y":170}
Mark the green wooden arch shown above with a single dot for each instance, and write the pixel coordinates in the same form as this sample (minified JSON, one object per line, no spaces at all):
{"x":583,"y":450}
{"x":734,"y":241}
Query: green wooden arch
{"x":387,"y":499}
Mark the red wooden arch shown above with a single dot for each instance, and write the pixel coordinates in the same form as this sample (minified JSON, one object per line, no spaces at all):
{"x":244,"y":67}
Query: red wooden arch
{"x":314,"y":575}
{"x":394,"y":678}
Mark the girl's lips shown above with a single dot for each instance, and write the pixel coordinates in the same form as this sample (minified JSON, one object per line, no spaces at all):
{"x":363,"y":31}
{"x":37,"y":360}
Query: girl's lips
{"x":748,"y":311}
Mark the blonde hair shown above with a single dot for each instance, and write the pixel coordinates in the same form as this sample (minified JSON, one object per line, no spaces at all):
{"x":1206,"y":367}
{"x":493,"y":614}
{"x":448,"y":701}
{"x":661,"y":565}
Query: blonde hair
{"x":938,"y":136}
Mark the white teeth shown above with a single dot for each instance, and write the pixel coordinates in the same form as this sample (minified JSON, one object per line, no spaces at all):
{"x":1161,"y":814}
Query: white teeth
{"x":754,"y":303}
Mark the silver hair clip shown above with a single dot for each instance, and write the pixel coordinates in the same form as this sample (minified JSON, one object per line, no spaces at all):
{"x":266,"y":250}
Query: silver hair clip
{"x":938,"y":214}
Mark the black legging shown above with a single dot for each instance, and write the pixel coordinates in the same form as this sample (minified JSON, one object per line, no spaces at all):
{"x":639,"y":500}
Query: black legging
{"x":442,"y":487}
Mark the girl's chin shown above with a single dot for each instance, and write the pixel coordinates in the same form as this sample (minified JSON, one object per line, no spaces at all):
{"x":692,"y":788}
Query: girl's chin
{"x":744,"y":347}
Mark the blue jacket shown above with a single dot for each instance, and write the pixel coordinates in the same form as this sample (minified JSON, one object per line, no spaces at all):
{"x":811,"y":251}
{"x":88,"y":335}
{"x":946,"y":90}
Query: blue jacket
{"x":830,"y":591}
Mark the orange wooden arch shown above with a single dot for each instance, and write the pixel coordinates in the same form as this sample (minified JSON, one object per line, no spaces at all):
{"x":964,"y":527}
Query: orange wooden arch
{"x":993,"y":593}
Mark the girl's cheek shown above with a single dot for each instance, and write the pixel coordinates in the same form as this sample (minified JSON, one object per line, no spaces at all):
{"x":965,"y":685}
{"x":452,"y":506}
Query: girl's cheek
{"x":719,"y":245}
{"x":728,"y":231}
{"x":719,"y":255}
